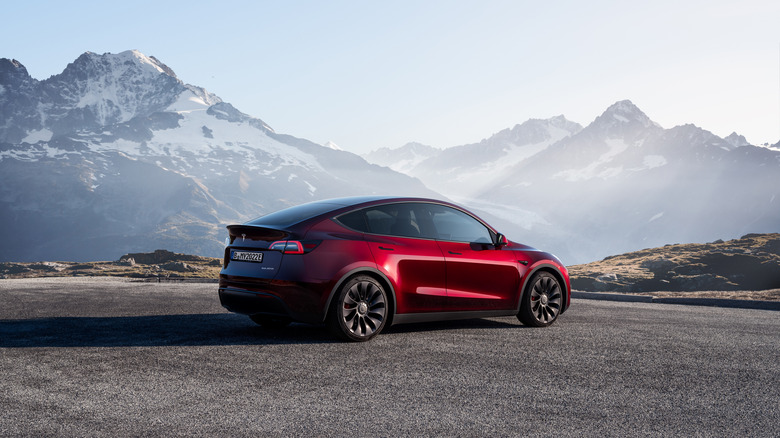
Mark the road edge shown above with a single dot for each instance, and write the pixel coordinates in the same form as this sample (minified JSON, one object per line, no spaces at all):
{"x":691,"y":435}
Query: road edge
{"x":710,"y":302}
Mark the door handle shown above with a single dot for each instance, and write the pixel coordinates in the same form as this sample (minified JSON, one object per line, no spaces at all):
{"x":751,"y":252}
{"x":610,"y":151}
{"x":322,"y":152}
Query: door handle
{"x":454,"y":253}
{"x":386,"y":249}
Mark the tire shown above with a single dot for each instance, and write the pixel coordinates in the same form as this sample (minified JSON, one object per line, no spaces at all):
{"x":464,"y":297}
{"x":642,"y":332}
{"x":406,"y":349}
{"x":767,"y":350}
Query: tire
{"x":270,"y":322}
{"x":359,"y":309}
{"x":542,"y":302}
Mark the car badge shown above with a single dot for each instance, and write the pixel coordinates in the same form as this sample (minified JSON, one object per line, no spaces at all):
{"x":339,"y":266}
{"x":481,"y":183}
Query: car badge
{"x":243,"y":237}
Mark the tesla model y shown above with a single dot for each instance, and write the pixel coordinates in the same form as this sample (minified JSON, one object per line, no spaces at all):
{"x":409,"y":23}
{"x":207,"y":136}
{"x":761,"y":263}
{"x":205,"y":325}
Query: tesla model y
{"x":360,"y":264}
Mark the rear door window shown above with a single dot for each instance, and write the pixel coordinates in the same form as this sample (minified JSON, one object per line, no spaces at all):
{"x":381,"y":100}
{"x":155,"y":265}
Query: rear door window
{"x":399,"y":219}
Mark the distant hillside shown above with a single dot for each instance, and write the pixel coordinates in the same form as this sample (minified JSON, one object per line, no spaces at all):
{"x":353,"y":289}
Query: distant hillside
{"x":750,"y":263}
{"x":158,"y":265}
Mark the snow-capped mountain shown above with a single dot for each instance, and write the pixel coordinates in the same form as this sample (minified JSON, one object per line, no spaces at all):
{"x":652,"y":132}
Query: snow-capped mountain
{"x":403,"y":159}
{"x":464,"y":171}
{"x":116,"y":155}
{"x":737,"y":140}
{"x":620,"y":184}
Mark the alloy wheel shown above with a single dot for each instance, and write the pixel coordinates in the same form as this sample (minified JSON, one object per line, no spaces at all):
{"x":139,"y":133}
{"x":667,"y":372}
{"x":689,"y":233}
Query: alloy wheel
{"x":546,"y":299}
{"x":363,"y":309}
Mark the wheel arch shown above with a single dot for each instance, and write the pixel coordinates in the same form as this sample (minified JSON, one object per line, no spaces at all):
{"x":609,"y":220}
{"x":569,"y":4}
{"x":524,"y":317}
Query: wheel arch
{"x":371,"y":272}
{"x":551,"y":269}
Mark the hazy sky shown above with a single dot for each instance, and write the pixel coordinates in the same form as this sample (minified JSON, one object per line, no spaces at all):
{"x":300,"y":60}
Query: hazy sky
{"x":368,"y":74}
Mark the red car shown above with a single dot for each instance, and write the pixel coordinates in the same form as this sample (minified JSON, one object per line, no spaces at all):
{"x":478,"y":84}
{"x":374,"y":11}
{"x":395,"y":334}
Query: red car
{"x":361,"y":264}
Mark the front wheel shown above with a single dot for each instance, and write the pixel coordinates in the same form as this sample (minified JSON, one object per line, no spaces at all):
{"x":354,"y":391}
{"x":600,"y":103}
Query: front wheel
{"x":542,"y":303}
{"x":359,"y":309}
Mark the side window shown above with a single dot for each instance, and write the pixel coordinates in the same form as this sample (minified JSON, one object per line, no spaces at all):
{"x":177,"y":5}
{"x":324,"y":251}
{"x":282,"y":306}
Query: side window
{"x":405,"y":220}
{"x":355,"y":220}
{"x":394,"y":220}
{"x":379,"y":221}
{"x":456,"y":226}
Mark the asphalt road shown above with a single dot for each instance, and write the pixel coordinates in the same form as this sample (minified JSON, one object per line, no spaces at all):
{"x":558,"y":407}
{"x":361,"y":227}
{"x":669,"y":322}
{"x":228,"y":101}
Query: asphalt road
{"x":87,"y":358}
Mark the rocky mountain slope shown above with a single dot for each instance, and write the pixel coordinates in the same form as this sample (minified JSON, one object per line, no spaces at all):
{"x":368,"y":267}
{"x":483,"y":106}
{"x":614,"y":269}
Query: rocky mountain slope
{"x":751,"y":262}
{"x":116,"y":154}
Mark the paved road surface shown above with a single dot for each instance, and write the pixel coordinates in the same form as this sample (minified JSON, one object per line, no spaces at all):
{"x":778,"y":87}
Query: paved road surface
{"x":82,"y":358}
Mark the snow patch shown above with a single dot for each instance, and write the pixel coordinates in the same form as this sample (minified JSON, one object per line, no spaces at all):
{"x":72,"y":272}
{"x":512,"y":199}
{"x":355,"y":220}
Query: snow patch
{"x":53,"y":152}
{"x":188,"y":102}
{"x":333,"y":146}
{"x":653,"y":161}
{"x":186,"y":143}
{"x":312,"y":189}
{"x":616,"y":146}
{"x":126,"y":146}
{"x":36,"y":136}
{"x":658,"y":216}
{"x":130,"y":55}
{"x":610,"y":172}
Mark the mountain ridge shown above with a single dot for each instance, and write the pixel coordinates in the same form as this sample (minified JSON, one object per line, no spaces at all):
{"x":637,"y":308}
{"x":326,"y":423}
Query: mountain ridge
{"x":620,"y":183}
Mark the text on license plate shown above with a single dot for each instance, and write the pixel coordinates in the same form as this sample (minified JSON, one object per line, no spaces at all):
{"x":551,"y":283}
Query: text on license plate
{"x":246,"y":256}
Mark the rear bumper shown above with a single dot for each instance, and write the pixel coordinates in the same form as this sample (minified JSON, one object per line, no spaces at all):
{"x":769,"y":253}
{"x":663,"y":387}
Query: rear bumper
{"x":252,"y":303}
{"x":297,"y":301}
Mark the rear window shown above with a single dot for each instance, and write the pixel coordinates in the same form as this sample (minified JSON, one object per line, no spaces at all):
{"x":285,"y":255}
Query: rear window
{"x":293,"y":215}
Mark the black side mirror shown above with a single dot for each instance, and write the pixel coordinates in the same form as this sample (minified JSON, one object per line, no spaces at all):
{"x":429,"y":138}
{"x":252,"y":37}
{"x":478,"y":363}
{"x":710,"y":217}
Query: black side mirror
{"x":500,"y":241}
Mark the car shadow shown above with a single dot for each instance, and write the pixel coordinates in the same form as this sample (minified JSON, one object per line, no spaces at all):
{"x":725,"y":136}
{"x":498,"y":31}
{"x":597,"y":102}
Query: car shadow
{"x":187,"y":330}
{"x":477,"y":323}
{"x":155,"y":330}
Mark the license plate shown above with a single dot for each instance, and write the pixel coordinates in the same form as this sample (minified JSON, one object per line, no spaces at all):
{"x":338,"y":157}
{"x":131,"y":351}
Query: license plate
{"x":245,"y":256}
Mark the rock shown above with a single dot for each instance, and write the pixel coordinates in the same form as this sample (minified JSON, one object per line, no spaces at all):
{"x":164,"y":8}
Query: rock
{"x":178,"y":267}
{"x":150,"y":258}
{"x":159,"y":256}
{"x":658,"y":265}
{"x":129,"y":261}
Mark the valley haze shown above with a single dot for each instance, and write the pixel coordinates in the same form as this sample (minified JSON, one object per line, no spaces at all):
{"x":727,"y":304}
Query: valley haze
{"x":118,"y":155}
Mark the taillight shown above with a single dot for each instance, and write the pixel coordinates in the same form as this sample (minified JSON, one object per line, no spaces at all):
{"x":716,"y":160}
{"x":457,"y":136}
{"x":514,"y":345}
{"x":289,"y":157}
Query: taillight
{"x":293,"y":246}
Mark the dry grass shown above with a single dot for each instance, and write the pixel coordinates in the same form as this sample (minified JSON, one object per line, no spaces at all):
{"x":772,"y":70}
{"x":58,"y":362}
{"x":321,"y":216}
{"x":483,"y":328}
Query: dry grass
{"x":746,"y":268}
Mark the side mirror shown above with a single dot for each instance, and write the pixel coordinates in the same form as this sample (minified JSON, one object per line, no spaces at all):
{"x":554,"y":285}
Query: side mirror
{"x":500,"y":241}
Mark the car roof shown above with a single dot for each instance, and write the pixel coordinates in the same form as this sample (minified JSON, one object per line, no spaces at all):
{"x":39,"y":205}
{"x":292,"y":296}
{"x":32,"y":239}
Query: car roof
{"x":303,"y":214}
{"x":358,"y":200}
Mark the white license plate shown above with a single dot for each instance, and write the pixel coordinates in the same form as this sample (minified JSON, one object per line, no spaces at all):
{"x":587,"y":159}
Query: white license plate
{"x":245,"y":256}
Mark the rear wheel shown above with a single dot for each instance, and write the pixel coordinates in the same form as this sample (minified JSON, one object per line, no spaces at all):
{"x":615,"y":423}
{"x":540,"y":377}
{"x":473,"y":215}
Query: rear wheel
{"x":270,"y":322}
{"x":542,"y":302}
{"x":359,"y":309}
